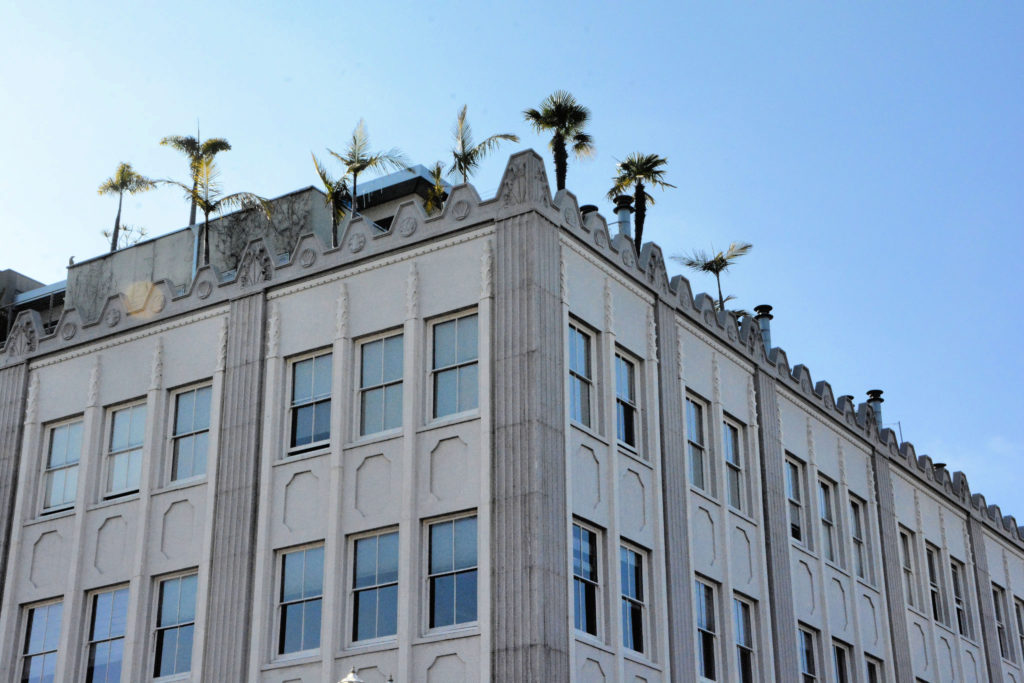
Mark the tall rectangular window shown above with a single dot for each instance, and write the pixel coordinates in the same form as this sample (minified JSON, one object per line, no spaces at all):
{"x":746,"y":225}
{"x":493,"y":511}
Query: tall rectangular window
{"x":106,"y":636}
{"x":829,"y":541}
{"x":455,"y":365}
{"x":999,"y":598}
{"x":873,"y":671}
{"x":1019,"y":605}
{"x":63,"y":454}
{"x":699,"y":476}
{"x":311,"y":403}
{"x":907,"y":552}
{"x":936,"y":591}
{"x":959,"y":576}
{"x":746,"y":660}
{"x":375,"y":587}
{"x":453,"y":572}
{"x":631,"y":565}
{"x":585,"y":578}
{"x":299,"y":602}
{"x":841,"y":661}
{"x":581,"y":378}
{"x":124,"y":457}
{"x":861,"y":557}
{"x":380,"y":385}
{"x":707,"y":631}
{"x":625,"y":401}
{"x":794,"y":493}
{"x":733,"y":446}
{"x":191,"y":433}
{"x":808,"y":655}
{"x":175,"y":626}
{"x":42,"y":636}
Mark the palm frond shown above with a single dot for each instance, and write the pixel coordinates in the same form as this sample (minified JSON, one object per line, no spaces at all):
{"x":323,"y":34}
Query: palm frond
{"x":583,"y":145}
{"x":244,"y":200}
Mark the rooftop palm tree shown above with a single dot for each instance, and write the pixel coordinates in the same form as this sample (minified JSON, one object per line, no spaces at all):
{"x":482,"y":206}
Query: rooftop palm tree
{"x":337,"y":197}
{"x":208,"y":197}
{"x":634,"y":172}
{"x":565,"y":118}
{"x":703,"y":262}
{"x":357,"y":158}
{"x":125,"y":179}
{"x":437,"y":192}
{"x":465,"y":155}
{"x":196,"y":152}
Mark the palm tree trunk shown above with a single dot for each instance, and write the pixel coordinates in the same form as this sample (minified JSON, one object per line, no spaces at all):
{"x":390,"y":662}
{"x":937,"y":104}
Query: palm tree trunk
{"x":465,"y":178}
{"x":206,"y":238}
{"x":192,"y":212}
{"x":355,"y":197}
{"x":561,"y":159}
{"x":117,"y":224}
{"x":721,"y":299}
{"x":334,"y":226}
{"x":640,"y":204}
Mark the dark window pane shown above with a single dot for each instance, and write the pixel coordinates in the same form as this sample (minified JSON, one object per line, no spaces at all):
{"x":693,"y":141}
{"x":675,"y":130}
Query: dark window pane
{"x":183,"y":660}
{"x":302,"y":426}
{"x":445,"y":389}
{"x":444,"y":344}
{"x":366,"y":562}
{"x":200,"y":447}
{"x":467,"y":348}
{"x":387,"y":558}
{"x":302,"y":381}
{"x":169,"y":593}
{"x":202,"y":414}
{"x":314,"y":572}
{"x":392,"y":406}
{"x":311,"y":616}
{"x":185,"y":413}
{"x":465,"y":543}
{"x":291,"y":628}
{"x":442,"y":601}
{"x":322,"y":421}
{"x":322,"y":376}
{"x":465,"y":600}
{"x":166,"y":646}
{"x":372,"y":411}
{"x":441,"y":551}
{"x":291,"y":585}
{"x":365,"y":609}
{"x":393,"y":359}
{"x":371,"y":369}
{"x":187,"y":605}
{"x":387,"y":611}
{"x":468,"y":387}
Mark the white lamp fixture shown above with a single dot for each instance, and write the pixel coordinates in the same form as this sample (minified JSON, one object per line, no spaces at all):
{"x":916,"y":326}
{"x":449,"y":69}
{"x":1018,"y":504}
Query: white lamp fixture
{"x":352,"y":677}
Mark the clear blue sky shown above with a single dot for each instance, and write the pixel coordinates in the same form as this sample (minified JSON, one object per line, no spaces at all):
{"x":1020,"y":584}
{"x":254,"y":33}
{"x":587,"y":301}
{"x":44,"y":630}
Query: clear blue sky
{"x":872,"y":152}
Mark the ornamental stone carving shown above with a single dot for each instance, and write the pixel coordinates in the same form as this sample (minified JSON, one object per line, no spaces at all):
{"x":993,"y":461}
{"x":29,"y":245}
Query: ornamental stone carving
{"x":68,"y":330}
{"x":23,"y":339}
{"x":307,"y":258}
{"x":357,"y":242}
{"x":113,"y":317}
{"x":408,"y":226}
{"x":256,"y":266}
{"x":460,"y":210}
{"x":204,"y":289}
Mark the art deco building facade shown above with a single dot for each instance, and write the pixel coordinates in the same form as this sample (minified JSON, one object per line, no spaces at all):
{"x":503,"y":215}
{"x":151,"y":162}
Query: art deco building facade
{"x":490,"y":444}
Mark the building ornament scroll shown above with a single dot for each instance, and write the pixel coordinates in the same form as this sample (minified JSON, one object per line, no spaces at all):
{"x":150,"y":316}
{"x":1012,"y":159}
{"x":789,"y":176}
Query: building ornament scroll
{"x":156,"y":377}
{"x":716,"y":379}
{"x":751,"y":404}
{"x":652,"y":337}
{"x":93,"y":398}
{"x":842,"y":461}
{"x":680,"y":355}
{"x":609,"y":308}
{"x":487,"y":271}
{"x":32,"y":402}
{"x":917,"y":512}
{"x":412,"y":292}
{"x":273,"y":330}
{"x":341,"y":312}
{"x":810,"y":443}
{"x":563,"y":280}
{"x":222,"y":345}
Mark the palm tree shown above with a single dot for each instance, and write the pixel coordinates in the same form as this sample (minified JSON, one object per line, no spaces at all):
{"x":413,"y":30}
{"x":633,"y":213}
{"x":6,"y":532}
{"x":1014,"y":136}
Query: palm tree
{"x":719,"y":263}
{"x":634,"y":172}
{"x":125,"y":179}
{"x":465,"y":155}
{"x":565,"y":118}
{"x":208,"y":197}
{"x":357,"y":158}
{"x":437,"y":192}
{"x":130,"y":235}
{"x":337,"y":197}
{"x":196,"y":152}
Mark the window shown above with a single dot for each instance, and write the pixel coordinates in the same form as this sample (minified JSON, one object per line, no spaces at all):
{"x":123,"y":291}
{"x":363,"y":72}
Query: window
{"x":829,"y":544}
{"x":175,"y":625}
{"x":957,"y":572}
{"x":808,"y":655}
{"x":841,"y":661}
{"x":935,"y":589}
{"x":581,"y":378}
{"x":106,"y":636}
{"x":375,"y":587}
{"x":455,"y":366}
{"x":42,"y":635}
{"x":452,"y":572}
{"x":302,"y":587}
{"x":631,"y":565}
{"x":380,"y":385}
{"x":191,"y":433}
{"x":124,"y":458}
{"x":707,"y":632}
{"x":733,"y":445}
{"x":745,"y":657}
{"x":625,"y":401}
{"x":62,"y":458}
{"x":794,"y":491}
{"x":907,"y":563}
{"x":695,"y":438}
{"x":999,"y":598}
{"x":873,"y":670}
{"x":1019,"y":606}
{"x":861,"y":560}
{"x":311,"y":402}
{"x":585,"y":578}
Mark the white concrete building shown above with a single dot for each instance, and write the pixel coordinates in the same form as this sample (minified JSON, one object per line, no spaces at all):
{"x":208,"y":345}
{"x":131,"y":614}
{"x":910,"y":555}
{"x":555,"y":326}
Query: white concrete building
{"x":490,"y":444}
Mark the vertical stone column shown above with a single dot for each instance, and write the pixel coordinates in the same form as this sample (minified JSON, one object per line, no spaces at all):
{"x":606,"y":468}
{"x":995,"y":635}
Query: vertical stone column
{"x":530,"y":622}
{"x":234,"y":496}
{"x":986,"y":605}
{"x":674,"y":486}
{"x":12,"y":407}
{"x":892,"y":571}
{"x":776,"y":526}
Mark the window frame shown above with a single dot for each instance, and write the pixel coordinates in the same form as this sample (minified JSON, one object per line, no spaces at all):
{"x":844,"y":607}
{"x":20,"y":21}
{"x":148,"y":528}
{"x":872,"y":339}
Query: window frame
{"x":961,"y":606}
{"x":48,"y":470}
{"x":829,"y":521}
{"x":353,"y":590}
{"x":860,"y":525}
{"x":735,"y":469}
{"x":28,"y":613}
{"x":291,"y":448}
{"x":706,"y":632}
{"x":640,"y":602}
{"x":457,"y":366}
{"x":108,"y":448}
{"x":589,"y":381}
{"x":362,"y":389}
{"x":174,"y":437}
{"x":280,"y":603}
{"x":157,"y":628}
{"x":430,"y":576}
{"x":745,"y":609}
{"x":582,"y":583}
{"x":1018,"y":608}
{"x":936,"y":584}
{"x":796,"y":482}
{"x":90,"y":642}
{"x":808,"y":645}
{"x":908,"y":565}
{"x":842,"y":657}
{"x":874,"y":669}
{"x":701,"y":447}
{"x":623,"y":404}
{"x":1001,"y":617}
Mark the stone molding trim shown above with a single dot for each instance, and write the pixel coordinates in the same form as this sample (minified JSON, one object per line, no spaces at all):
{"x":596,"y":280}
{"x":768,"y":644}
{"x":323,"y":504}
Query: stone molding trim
{"x":13,"y":385}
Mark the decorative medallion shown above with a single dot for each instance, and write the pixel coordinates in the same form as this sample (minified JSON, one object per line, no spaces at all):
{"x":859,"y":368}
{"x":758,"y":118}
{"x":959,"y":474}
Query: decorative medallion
{"x":460,"y":210}
{"x":599,"y":238}
{"x":68,"y":330}
{"x":307,"y":258}
{"x":627,"y":256}
{"x":570,"y":216}
{"x":408,"y":226}
{"x":204,"y":289}
{"x":356,"y":244}
{"x":157,"y":302}
{"x":113,"y":317}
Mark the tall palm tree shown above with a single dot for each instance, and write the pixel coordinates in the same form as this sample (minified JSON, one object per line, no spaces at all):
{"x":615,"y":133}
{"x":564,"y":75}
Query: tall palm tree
{"x":337,"y":197}
{"x":565,"y":118}
{"x":208,"y":197}
{"x":437,"y":192}
{"x":465,"y":155}
{"x":634,"y":172}
{"x":357,"y":158}
{"x":196,"y":152}
{"x":125,"y":179}
{"x":719,"y":263}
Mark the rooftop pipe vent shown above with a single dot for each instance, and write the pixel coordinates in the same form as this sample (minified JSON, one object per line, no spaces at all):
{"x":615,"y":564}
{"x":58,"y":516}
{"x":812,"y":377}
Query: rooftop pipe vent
{"x":624,"y":207}
{"x":764,"y":321}
{"x":875,"y":401}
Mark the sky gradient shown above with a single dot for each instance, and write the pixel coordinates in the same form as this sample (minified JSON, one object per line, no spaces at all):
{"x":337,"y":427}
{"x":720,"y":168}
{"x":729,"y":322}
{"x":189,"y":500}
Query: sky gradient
{"x":871,"y":153}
